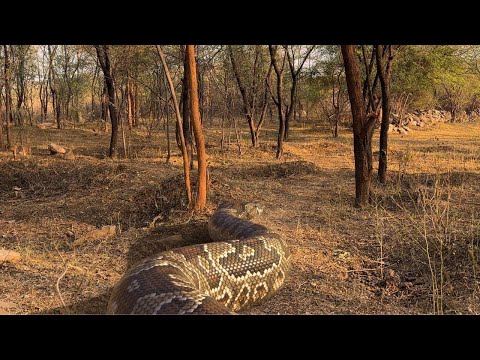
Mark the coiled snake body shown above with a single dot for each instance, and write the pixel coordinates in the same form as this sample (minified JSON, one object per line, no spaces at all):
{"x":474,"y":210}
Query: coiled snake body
{"x":245,"y":263}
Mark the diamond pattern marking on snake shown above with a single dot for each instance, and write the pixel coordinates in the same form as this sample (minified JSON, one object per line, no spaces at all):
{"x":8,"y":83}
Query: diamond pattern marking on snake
{"x":245,"y":263}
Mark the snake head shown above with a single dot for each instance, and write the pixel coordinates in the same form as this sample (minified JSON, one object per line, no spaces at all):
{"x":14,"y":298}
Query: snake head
{"x":252,"y":210}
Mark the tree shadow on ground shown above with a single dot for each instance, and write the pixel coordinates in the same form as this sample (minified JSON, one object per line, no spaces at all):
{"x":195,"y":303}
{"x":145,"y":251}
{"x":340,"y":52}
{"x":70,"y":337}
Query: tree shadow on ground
{"x":96,"y":305}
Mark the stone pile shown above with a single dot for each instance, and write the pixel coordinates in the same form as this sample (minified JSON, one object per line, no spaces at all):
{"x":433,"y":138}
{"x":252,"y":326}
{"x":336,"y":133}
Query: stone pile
{"x":417,"y":119}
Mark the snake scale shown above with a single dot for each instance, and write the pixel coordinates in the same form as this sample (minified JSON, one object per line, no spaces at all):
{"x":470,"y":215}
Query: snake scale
{"x":245,"y":263}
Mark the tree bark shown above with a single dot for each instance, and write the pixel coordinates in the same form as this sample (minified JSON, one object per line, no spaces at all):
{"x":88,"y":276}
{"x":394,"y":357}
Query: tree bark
{"x":201,"y":201}
{"x":247,"y":106}
{"x":20,"y":54}
{"x":278,"y":100}
{"x":362,"y":127}
{"x":130,"y":107}
{"x":8,"y":95}
{"x":103,"y":54}
{"x":1,"y":121}
{"x":136,"y":105}
{"x":53,"y":86}
{"x":384,"y":75}
{"x":187,"y":126}
{"x":186,"y":167}
{"x":290,"y":108}
{"x":167,"y":125}
{"x":293,"y":90}
{"x":105,"y":104}
{"x":92,"y":116}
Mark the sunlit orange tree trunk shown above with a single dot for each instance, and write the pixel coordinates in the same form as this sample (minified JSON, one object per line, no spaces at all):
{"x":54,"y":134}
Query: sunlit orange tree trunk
{"x":201,"y":201}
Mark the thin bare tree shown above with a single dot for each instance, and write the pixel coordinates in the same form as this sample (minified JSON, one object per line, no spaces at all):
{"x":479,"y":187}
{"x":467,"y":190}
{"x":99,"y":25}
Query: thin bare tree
{"x":8,"y":94}
{"x":295,"y":70}
{"x":103,"y":54}
{"x":186,"y":164}
{"x":250,"y":94}
{"x":384,"y":55}
{"x":277,"y":97}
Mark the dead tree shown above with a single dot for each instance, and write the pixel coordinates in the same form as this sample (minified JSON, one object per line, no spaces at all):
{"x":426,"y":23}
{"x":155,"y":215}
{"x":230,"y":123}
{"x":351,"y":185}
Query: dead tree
{"x":52,"y":79}
{"x":186,"y":167}
{"x":250,"y":95}
{"x":294,"y":73}
{"x":277,"y":97}
{"x":103,"y":54}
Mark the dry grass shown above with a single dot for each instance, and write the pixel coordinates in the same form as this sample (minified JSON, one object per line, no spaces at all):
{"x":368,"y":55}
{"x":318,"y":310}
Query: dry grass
{"x":345,"y":260}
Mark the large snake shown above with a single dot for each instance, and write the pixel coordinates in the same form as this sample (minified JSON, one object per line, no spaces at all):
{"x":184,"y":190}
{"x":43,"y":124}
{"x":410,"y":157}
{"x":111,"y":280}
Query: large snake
{"x":245,"y":263}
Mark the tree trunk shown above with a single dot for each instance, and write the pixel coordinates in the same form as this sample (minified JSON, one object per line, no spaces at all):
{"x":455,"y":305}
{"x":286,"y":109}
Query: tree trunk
{"x":293,"y":90}
{"x":291,"y":109}
{"x":92,"y":116}
{"x":385,"y":85}
{"x":362,"y":127}
{"x":187,"y":126}
{"x":103,"y":54}
{"x":247,"y":106}
{"x":335,"y":129}
{"x":1,"y":121}
{"x":201,"y":202}
{"x":136,"y":104}
{"x":167,"y":127}
{"x":53,"y":86}
{"x":130,"y":107}
{"x":104,"y":101}
{"x":58,"y":110}
{"x":8,"y":95}
{"x":186,"y":167}
{"x":42,"y":103}
{"x":278,"y":101}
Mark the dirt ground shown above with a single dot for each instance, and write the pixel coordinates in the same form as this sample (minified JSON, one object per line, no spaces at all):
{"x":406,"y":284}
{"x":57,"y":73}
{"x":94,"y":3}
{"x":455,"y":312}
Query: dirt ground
{"x":415,"y":250}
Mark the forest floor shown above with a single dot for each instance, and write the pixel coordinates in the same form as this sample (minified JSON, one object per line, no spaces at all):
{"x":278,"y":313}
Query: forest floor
{"x":415,"y":250}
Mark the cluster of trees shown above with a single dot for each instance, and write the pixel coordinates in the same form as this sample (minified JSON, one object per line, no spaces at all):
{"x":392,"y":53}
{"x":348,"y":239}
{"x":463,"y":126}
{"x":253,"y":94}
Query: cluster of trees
{"x":149,"y":86}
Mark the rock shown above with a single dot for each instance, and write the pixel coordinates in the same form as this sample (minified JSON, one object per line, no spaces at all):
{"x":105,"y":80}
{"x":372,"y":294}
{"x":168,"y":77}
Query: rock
{"x":391,"y":128}
{"x":103,"y":233}
{"x":401,"y":131}
{"x":420,"y":124}
{"x":406,"y":128}
{"x":9,"y":256}
{"x":55,"y":149}
{"x":68,"y":155}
